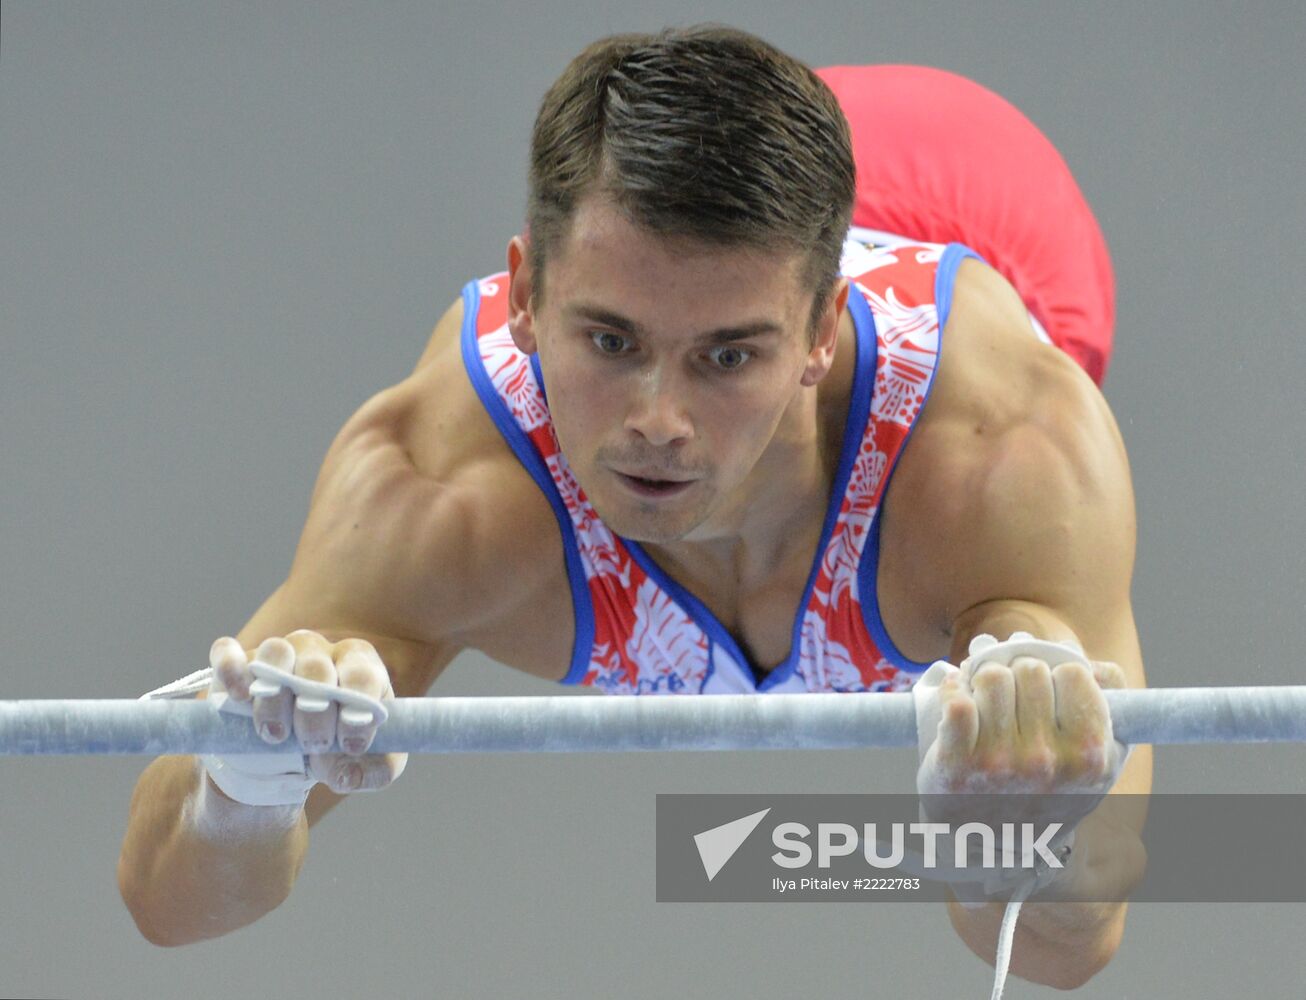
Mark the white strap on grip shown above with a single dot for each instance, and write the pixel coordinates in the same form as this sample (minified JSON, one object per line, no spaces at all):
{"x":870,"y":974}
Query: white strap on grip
{"x":275,"y":779}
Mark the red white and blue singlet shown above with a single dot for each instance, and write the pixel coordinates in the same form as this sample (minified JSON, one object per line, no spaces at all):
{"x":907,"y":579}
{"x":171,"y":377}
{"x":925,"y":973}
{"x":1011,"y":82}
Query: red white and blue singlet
{"x":951,"y":165}
{"x":637,"y":630}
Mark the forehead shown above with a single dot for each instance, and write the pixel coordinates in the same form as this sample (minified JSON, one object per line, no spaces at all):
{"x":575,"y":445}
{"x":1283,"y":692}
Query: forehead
{"x":607,"y":256}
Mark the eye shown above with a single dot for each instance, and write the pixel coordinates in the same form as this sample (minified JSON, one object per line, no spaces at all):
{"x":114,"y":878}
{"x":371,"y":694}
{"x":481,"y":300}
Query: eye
{"x":610,"y":343}
{"x":729,"y":357}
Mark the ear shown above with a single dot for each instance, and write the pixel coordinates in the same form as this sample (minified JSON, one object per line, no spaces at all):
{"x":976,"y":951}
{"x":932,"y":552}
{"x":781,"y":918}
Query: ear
{"x":521,"y":306}
{"x":821,"y":356}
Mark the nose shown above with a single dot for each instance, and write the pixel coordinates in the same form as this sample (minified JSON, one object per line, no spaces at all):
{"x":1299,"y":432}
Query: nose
{"x":657,"y":410}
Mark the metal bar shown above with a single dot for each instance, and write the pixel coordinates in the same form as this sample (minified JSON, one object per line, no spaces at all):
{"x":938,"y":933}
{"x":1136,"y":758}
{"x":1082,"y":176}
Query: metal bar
{"x":565,"y":724}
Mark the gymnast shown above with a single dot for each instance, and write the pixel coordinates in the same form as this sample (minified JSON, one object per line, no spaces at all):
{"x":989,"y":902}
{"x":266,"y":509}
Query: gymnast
{"x":791,"y":385}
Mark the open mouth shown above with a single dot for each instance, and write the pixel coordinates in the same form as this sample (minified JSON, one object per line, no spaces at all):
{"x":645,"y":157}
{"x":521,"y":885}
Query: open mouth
{"x":654,"y":487}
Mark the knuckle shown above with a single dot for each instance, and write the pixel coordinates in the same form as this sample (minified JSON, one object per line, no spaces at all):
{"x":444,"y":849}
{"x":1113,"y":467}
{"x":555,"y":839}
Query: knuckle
{"x":958,"y":782}
{"x":316,"y":666}
{"x":231,"y":674}
{"x":360,"y":676}
{"x":1073,"y":672}
{"x":996,"y":762}
{"x":353,"y":647}
{"x":1039,"y":763}
{"x":306,"y":642}
{"x":959,"y":711}
{"x":277,"y":652}
{"x":1025,"y":667}
{"x":225,"y":649}
{"x":991,"y":675}
{"x":1084,"y":762}
{"x":228,"y":663}
{"x":1092,"y":746}
{"x":1110,"y":674}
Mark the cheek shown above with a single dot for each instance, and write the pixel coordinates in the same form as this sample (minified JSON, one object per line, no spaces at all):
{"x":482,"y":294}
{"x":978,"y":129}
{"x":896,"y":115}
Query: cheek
{"x":583,"y":404}
{"x":753,"y":409}
{"x":737,"y":427}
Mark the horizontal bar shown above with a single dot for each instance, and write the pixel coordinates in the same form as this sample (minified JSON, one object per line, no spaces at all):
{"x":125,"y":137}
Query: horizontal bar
{"x":626,"y":722}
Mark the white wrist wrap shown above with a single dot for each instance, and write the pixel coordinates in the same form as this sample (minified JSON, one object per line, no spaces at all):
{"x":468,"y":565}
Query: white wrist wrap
{"x":279,"y":779}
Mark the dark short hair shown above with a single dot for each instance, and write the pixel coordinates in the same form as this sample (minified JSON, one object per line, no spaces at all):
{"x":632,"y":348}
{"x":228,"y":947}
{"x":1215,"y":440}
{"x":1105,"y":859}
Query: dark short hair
{"x":705,"y":133}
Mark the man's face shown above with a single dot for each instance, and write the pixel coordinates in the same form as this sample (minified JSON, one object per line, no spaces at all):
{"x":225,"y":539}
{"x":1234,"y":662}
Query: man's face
{"x":669,"y":367}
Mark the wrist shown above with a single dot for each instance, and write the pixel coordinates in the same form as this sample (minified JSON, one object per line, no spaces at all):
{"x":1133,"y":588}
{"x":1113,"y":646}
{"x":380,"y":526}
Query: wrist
{"x":274,"y":779}
{"x":214,"y":815}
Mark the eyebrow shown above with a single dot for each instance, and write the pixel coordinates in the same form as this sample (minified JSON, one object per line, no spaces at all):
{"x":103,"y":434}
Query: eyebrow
{"x":623,"y":324}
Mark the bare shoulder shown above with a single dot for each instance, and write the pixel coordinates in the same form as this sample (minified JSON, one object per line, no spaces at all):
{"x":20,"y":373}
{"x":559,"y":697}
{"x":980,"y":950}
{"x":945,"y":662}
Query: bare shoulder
{"x":1015,"y":482}
{"x":423,"y":524}
{"x":998,"y":385}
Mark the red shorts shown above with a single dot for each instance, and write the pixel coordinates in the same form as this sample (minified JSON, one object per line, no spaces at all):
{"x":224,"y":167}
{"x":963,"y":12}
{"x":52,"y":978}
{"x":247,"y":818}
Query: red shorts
{"x":942,"y":159}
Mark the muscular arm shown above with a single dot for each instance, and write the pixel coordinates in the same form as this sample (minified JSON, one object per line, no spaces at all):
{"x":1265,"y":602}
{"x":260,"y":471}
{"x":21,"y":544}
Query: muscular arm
{"x":423,"y":537}
{"x":1024,"y":478}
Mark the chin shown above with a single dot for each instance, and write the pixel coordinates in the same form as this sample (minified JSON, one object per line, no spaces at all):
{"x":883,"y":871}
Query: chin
{"x":656,"y":527}
{"x":653,"y":529}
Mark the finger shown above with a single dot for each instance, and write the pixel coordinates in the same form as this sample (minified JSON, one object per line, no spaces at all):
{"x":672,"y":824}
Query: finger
{"x":314,"y":718}
{"x":1080,"y":707}
{"x":231,"y":667}
{"x":272,"y":712}
{"x":307,"y":641}
{"x":958,"y":726}
{"x":346,"y":773}
{"x":359,"y":668}
{"x":1109,"y":676}
{"x":1035,"y":698}
{"x":994,"y":690}
{"x":1083,"y":718}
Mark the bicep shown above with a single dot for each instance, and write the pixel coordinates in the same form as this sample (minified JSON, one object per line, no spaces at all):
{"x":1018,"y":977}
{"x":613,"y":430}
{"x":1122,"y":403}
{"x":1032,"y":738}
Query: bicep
{"x":1053,"y":546}
{"x":363,"y":566}
{"x":1049,"y":521}
{"x":421,"y":548}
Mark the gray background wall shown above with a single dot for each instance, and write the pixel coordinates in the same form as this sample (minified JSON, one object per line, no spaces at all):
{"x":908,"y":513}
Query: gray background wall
{"x":224,"y":226}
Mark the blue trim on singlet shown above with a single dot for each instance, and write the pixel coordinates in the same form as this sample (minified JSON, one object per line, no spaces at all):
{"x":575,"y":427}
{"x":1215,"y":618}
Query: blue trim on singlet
{"x":859,"y":408}
{"x":534,"y":464}
{"x":945,"y":277}
{"x":711,"y":664}
{"x":539,"y":376}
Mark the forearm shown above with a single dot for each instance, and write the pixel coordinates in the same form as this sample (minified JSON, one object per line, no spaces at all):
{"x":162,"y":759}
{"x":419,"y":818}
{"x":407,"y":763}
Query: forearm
{"x":1065,"y":942}
{"x":196,"y":865}
{"x":1062,"y":963}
